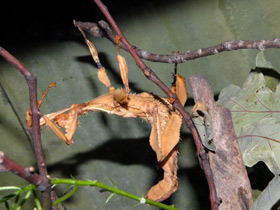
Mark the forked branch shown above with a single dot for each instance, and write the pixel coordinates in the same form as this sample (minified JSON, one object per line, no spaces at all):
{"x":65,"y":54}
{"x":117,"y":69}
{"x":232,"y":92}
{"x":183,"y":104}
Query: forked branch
{"x":35,"y":130}
{"x":8,"y":165}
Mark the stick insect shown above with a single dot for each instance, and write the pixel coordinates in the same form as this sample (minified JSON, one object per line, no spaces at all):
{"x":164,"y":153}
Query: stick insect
{"x":158,"y":111}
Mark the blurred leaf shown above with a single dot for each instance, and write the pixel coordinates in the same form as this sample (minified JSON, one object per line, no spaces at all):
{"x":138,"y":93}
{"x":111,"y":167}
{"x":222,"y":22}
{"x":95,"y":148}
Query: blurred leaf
{"x":261,"y":61}
{"x":8,"y":206}
{"x":269,"y":196}
{"x":257,"y":143}
{"x":255,"y":194}
{"x":112,"y":182}
{"x":7,"y":197}
{"x":36,"y":200}
{"x":9,"y":188}
{"x":25,"y":198}
{"x":271,"y":76}
{"x":255,"y":112}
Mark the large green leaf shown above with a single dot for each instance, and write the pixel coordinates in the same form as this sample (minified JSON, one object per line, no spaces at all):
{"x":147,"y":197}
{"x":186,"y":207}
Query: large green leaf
{"x":255,"y":113}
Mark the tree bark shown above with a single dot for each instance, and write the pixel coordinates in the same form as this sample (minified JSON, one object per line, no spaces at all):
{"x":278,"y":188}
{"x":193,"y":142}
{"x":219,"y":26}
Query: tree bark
{"x":230,"y":175}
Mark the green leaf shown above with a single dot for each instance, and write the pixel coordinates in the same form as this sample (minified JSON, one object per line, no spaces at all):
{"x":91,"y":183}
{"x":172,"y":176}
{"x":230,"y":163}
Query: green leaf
{"x":258,"y":143}
{"x":255,"y":112}
{"x":24,"y":200}
{"x":261,"y":61}
{"x":271,"y":76}
{"x":7,"y":197}
{"x":269,"y":196}
{"x":9,"y":188}
{"x":255,"y":193}
{"x":36,"y":200}
{"x":112,"y":182}
{"x":109,"y":198}
{"x":7,"y":205}
{"x":17,"y":199}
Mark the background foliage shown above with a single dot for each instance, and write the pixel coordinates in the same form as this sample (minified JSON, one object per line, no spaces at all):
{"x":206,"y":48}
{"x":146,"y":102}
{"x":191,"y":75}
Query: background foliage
{"x":47,"y":43}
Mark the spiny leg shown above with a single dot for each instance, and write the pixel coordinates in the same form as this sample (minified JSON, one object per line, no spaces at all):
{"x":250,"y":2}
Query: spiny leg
{"x":70,"y":120}
{"x":102,"y":75}
{"x":46,"y":120}
{"x":28,"y":112}
{"x":45,"y":93}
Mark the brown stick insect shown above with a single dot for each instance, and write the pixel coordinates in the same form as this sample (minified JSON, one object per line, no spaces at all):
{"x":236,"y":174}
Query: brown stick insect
{"x":158,"y":111}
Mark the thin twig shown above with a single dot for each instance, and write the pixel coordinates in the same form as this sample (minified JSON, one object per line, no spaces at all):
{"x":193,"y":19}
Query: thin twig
{"x":102,"y":29}
{"x":177,"y":105}
{"x":35,"y":130}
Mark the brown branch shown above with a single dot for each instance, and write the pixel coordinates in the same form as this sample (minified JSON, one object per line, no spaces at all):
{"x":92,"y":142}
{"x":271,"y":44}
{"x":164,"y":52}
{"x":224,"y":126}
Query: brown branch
{"x":8,"y":165}
{"x":230,"y":175}
{"x":102,"y":29}
{"x":177,"y":105}
{"x":35,"y":130}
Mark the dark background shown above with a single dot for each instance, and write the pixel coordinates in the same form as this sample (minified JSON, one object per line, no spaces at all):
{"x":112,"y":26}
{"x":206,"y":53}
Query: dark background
{"x":30,"y":24}
{"x":24,"y":23}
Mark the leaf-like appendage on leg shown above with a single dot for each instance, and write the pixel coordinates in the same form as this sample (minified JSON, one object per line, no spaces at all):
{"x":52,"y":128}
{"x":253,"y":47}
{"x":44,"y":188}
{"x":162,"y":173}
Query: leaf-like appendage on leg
{"x":155,"y":136}
{"x":122,"y":65}
{"x":91,"y":47}
{"x":168,"y":185}
{"x":171,"y":134}
{"x":179,"y":87}
{"x":124,"y":71}
{"x":103,"y":77}
{"x":72,"y":123}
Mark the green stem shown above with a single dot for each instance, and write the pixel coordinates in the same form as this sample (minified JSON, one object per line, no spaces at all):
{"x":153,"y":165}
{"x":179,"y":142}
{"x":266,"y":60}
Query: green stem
{"x":65,"y":197}
{"x":115,"y":190}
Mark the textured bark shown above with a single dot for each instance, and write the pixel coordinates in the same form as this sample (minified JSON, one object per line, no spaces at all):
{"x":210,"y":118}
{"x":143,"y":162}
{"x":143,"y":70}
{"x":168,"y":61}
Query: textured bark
{"x":102,"y":29}
{"x":230,"y":176}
